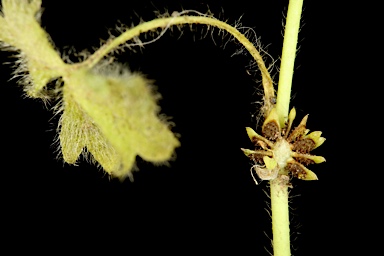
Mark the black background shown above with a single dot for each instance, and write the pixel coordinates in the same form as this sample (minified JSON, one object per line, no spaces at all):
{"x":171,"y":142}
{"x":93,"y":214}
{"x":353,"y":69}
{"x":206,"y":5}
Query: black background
{"x":206,"y":200}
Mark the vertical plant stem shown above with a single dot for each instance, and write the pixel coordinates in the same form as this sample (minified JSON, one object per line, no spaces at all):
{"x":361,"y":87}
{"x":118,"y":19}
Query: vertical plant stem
{"x":280,"y":218}
{"x":288,"y":59}
{"x":279,"y":188}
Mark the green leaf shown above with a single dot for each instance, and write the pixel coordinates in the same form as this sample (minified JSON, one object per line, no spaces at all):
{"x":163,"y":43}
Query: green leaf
{"x":123,"y":107}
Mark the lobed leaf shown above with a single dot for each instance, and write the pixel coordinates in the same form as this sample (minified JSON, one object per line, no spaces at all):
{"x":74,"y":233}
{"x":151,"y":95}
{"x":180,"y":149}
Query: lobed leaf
{"x":123,"y":106}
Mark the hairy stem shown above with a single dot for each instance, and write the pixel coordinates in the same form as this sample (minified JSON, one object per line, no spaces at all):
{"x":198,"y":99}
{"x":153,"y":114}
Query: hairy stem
{"x":280,"y":218}
{"x":180,"y":20}
{"x":279,"y":187}
{"x":288,"y":59}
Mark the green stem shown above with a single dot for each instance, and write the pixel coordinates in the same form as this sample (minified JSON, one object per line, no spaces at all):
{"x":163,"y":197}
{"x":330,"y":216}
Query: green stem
{"x":279,"y":187}
{"x":288,"y":59}
{"x":280,"y":218}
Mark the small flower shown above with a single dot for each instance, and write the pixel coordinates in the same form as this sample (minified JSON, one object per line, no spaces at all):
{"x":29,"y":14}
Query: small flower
{"x":281,"y":151}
